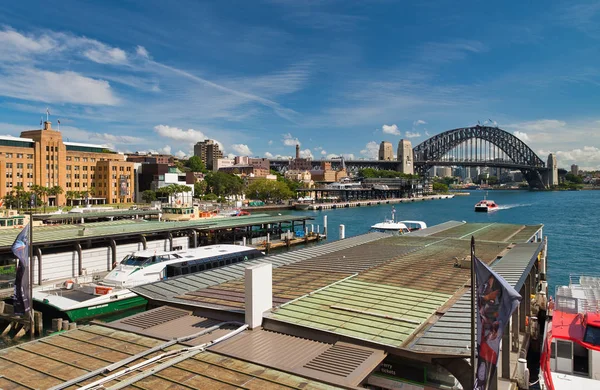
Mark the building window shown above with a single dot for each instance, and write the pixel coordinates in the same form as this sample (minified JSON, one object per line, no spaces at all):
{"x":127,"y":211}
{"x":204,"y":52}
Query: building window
{"x":85,"y":167}
{"x":68,"y":175}
{"x":29,"y":166}
{"x":93,"y":159}
{"x":121,"y":169}
{"x":30,"y":156}
{"x":29,"y":175}
{"x":76,"y":184}
{"x":69,"y":184}
{"x":128,"y":169}
{"x":85,"y":175}
{"x":85,"y":159}
{"x":47,"y":166}
{"x":76,"y":159}
{"x":47,"y":148}
{"x":9,"y":175}
{"x":77,"y":176}
{"x":114,"y":168}
{"x":114,"y":177}
{"x":19,"y":165}
{"x":69,"y":158}
{"x":19,"y":155}
{"x":68,"y":167}
{"x":8,"y":165}
{"x":19,"y":175}
{"x":76,"y":167}
{"x":8,"y":155}
{"x":92,"y":168}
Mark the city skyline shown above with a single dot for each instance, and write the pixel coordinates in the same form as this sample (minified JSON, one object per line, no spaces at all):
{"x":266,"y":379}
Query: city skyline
{"x":336,"y":77}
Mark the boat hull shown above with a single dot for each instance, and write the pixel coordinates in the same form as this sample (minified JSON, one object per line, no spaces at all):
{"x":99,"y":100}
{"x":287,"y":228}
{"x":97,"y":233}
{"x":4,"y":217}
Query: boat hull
{"x":86,"y":313}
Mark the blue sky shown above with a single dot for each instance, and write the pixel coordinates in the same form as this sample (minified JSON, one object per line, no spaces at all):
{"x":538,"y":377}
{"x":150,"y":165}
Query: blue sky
{"x":337,"y":76}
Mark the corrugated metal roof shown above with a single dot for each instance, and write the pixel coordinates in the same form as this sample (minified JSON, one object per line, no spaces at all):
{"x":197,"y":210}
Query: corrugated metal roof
{"x":340,"y":363}
{"x":53,"y":360}
{"x":368,"y":311}
{"x":167,"y":290}
{"x":436,"y":229}
{"x":451,"y":334}
{"x":154,"y":317}
{"x":288,"y":284}
{"x":44,"y":234}
{"x":499,"y":232}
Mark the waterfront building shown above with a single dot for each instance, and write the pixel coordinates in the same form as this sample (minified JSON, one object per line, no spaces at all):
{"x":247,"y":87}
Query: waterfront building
{"x":575,"y":169}
{"x":209,"y":152}
{"x":41,"y":157}
{"x":386,"y":151}
{"x":174,"y":176}
{"x":405,"y":156}
{"x":304,"y":177}
{"x":300,"y":164}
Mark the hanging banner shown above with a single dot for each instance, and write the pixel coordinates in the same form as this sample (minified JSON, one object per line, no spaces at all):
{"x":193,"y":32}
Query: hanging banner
{"x":496,"y":301}
{"x":20,"y":248}
{"x":123,"y":189}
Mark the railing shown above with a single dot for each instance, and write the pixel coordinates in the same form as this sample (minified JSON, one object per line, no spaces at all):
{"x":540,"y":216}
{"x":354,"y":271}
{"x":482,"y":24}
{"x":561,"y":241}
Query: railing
{"x":582,"y":295}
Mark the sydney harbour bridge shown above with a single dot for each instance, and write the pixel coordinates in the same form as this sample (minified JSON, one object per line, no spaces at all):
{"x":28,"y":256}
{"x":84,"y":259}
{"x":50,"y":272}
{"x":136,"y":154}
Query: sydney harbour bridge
{"x":476,"y":146}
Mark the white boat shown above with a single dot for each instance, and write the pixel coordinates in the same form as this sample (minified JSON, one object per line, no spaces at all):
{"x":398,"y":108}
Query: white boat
{"x":486,"y":205}
{"x":81,"y":300}
{"x":571,"y":347}
{"x":397,"y":228}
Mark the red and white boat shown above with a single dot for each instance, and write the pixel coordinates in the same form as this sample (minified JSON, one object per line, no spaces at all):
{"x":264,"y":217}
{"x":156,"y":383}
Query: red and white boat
{"x":485,"y":206}
{"x":571,"y":348}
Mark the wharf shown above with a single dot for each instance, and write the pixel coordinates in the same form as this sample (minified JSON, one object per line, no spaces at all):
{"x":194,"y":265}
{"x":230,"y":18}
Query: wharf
{"x":374,"y":310}
{"x":287,"y":243}
{"x":363,"y":203}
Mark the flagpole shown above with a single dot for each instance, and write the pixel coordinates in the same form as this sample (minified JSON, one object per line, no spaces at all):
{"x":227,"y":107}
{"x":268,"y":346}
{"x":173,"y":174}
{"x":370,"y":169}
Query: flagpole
{"x":473,"y":341}
{"x":31,"y":316}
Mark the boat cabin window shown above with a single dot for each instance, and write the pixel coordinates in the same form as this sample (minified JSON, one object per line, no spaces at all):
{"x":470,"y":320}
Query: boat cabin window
{"x":581,"y":360}
{"x":592,"y":335}
{"x":135,"y":261}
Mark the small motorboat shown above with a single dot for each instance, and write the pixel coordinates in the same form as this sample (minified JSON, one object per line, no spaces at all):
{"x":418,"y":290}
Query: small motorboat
{"x":485,"y":205}
{"x":397,"y":228}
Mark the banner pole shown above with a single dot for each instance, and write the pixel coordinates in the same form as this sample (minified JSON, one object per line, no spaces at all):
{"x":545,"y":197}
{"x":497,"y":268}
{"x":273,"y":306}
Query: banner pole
{"x":31,"y":316}
{"x":473,"y":341}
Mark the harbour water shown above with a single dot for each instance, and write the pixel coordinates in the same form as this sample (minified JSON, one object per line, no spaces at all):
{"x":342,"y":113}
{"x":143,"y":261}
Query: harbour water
{"x":570,"y":221}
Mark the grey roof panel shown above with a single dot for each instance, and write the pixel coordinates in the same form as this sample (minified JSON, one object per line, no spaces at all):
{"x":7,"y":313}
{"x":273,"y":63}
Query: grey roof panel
{"x":451,"y":334}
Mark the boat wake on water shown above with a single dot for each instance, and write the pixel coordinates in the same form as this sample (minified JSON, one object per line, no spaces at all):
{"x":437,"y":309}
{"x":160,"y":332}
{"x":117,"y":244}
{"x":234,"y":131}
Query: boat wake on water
{"x":512,"y":206}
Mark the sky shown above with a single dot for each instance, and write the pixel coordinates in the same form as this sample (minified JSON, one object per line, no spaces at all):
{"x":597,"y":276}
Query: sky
{"x":337,"y":77}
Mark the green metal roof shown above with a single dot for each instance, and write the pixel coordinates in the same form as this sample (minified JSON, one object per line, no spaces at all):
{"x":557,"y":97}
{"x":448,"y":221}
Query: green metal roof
{"x":369,"y":311}
{"x":65,"y":233}
{"x":97,"y":214}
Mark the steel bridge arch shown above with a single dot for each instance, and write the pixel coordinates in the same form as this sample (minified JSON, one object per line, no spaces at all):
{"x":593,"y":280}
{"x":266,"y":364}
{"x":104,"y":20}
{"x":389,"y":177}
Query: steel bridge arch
{"x":434,"y":148}
{"x":430,"y":151}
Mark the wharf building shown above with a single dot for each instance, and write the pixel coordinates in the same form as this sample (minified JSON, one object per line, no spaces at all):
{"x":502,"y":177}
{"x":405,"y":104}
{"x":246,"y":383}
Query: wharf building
{"x":395,"y":313}
{"x":386,"y":151}
{"x":41,"y":157}
{"x":208,"y":151}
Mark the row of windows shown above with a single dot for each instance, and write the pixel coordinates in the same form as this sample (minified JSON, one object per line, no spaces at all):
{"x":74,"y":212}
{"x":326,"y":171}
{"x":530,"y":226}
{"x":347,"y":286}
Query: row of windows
{"x":19,"y":166}
{"x":84,"y":159}
{"x":19,"y":155}
{"x":9,"y":175}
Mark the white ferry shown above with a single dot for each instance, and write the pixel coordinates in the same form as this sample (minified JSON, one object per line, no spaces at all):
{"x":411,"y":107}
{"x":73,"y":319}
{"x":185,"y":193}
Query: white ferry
{"x":80,"y":300}
{"x":397,"y":228}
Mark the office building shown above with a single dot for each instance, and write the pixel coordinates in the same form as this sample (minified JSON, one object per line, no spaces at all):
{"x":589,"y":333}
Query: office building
{"x":575,"y":169}
{"x":40,"y":157}
{"x":209,"y":152}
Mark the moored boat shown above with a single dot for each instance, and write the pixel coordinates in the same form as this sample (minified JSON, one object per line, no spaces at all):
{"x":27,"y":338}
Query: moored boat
{"x":571,"y":349}
{"x":397,"y":228}
{"x":79,"y":299}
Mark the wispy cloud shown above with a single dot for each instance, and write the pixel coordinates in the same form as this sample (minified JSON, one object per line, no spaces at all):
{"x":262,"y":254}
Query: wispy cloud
{"x":289,"y":140}
{"x":371,"y":150}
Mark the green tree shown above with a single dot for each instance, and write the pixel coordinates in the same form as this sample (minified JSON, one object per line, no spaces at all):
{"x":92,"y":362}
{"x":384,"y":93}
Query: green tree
{"x":440,"y":187}
{"x":574,"y":178}
{"x":195,"y":164}
{"x":199,"y":188}
{"x":224,"y":184}
{"x":55,"y":191}
{"x":148,"y":196}
{"x":268,"y":190}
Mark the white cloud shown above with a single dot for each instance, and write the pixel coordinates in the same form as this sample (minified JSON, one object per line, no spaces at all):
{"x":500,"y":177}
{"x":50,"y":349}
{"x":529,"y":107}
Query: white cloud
{"x":306,"y":153}
{"x":230,"y":156}
{"x":120,"y":139}
{"x":587,"y":157}
{"x":66,"y":87}
{"x":419,"y":122}
{"x":189,"y":135}
{"x":371,"y":150}
{"x":269,"y":155}
{"x":270,"y":142}
{"x":290,"y":140}
{"x":241,"y":149}
{"x":15,"y":46}
{"x":542,"y":125}
{"x":165,"y":150}
{"x":180,"y":154}
{"x":323,"y":152}
{"x":410,"y":134}
{"x":390,"y":129}
{"x":348,"y":156}
{"x":521,"y":135}
{"x":142,"y":52}
{"x":104,"y":54}
{"x":317,"y":148}
{"x":332,"y":155}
